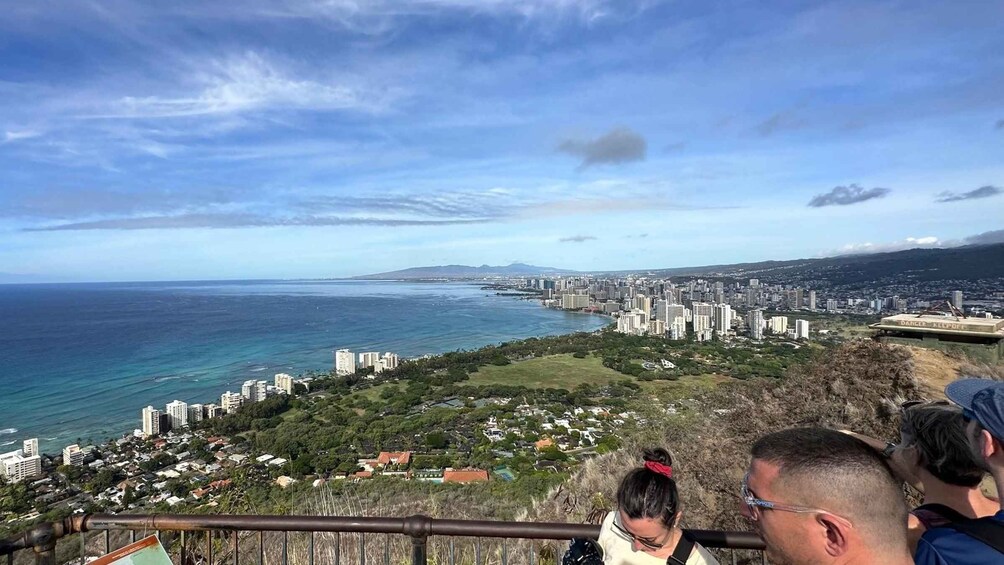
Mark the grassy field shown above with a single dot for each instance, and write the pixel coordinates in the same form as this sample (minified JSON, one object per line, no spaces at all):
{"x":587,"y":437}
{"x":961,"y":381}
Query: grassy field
{"x":553,"y":371}
{"x":686,"y":387}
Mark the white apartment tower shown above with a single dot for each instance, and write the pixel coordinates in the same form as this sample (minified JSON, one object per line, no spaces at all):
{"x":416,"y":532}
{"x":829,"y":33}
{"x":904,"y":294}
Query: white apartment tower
{"x":812,"y":300}
{"x":369,"y":359}
{"x":16,"y":467}
{"x":248,"y":390}
{"x":214,"y":410}
{"x":755,"y":322}
{"x":73,"y":456}
{"x":779,"y":325}
{"x":678,"y":329}
{"x":390,"y":361}
{"x":30,"y":447}
{"x":957,"y":299}
{"x":231,"y":401}
{"x":284,"y":382}
{"x":195,"y":413}
{"x":151,"y":421}
{"x":177,"y":413}
{"x":702,"y":322}
{"x":345,"y":362}
{"x":662,"y":311}
{"x":801,"y":329}
{"x":723,"y":318}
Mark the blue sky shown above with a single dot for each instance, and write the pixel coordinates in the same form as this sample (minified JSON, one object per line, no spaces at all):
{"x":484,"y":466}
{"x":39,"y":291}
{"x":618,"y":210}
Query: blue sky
{"x":285,"y":139}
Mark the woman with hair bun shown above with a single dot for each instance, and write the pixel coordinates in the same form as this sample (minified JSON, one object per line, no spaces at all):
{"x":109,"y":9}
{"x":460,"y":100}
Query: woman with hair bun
{"x":645,"y":527}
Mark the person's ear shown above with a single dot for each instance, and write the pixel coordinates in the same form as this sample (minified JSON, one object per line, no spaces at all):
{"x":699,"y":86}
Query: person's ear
{"x":990,"y":446}
{"x":677,"y":517}
{"x":835,"y":533}
{"x":986,"y":445}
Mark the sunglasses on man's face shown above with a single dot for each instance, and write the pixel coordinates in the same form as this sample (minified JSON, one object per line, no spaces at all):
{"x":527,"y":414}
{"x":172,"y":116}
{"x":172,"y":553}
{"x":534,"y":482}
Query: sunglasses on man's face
{"x":754,"y":505}
{"x":645,"y":542}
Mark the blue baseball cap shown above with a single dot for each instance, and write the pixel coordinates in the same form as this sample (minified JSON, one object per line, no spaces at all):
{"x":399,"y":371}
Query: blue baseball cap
{"x":983,"y":400}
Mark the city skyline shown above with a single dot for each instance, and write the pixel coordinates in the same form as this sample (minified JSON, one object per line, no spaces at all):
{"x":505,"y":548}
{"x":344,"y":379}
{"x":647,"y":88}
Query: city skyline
{"x":317,"y":140}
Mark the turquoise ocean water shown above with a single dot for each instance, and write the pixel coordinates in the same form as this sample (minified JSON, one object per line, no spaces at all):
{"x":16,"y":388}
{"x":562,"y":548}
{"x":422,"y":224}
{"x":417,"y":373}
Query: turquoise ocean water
{"x":82,"y":360}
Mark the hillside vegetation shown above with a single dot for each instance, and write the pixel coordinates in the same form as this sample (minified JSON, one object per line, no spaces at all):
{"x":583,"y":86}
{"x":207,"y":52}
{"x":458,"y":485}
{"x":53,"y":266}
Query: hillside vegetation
{"x":859,"y":385}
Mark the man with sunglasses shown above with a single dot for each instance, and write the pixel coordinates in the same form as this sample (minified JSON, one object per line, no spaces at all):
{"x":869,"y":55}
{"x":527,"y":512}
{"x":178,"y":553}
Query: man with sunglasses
{"x":979,"y":541}
{"x":820,"y":497}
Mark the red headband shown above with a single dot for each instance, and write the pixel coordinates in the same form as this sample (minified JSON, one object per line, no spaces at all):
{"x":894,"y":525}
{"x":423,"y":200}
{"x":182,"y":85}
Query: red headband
{"x":657,"y":467}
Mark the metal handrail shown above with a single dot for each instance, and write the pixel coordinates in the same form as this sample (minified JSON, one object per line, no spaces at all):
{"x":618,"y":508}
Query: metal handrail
{"x":43,"y":537}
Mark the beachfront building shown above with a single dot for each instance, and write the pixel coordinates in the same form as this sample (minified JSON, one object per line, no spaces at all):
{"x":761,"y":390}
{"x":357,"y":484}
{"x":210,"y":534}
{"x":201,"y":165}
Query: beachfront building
{"x":254,"y":390}
{"x":284,"y":382}
{"x":345,"y":362}
{"x":151,"y":421}
{"x":30,"y":447}
{"x":214,"y":410}
{"x":177,"y":414}
{"x":231,"y":401}
{"x":368,"y":359}
{"x":73,"y":456}
{"x":389,"y":361}
{"x":574,"y":301}
{"x":17,"y":466}
{"x":196,"y":412}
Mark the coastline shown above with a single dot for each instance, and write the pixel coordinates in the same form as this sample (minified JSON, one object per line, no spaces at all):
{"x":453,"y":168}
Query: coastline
{"x":152,"y":389}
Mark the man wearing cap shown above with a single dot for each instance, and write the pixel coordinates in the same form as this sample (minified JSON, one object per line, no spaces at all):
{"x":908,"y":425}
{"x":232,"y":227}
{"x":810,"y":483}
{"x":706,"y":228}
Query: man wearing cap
{"x":974,"y":542}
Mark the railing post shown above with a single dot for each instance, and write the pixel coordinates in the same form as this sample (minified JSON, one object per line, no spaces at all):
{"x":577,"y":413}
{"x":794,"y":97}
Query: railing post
{"x":418,"y":551}
{"x":43,"y":537}
{"x":418,"y":527}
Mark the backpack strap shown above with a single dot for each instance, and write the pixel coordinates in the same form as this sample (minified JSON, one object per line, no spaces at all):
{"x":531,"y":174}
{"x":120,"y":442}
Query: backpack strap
{"x":682,"y":551}
{"x":986,"y":530}
{"x":950,"y":515}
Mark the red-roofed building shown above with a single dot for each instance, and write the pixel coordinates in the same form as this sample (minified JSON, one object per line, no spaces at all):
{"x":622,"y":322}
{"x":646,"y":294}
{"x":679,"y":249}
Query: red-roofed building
{"x":363,"y":474}
{"x":402,"y":458}
{"x":465,"y":476}
{"x":544,"y":443}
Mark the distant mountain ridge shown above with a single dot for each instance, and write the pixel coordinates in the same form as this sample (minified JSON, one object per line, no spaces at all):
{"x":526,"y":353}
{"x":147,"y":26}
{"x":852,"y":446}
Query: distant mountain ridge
{"x":970,"y":262}
{"x":467,"y":272}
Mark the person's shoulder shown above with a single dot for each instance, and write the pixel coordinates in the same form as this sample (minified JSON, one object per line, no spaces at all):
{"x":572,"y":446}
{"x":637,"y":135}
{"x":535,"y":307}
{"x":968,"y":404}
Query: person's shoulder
{"x":606,"y":539}
{"x":946,"y":545}
{"x":701,"y":556}
{"x":927,"y":553}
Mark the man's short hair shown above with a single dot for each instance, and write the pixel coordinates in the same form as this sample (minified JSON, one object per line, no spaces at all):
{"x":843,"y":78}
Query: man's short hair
{"x":938,"y":432}
{"x":826,"y":469}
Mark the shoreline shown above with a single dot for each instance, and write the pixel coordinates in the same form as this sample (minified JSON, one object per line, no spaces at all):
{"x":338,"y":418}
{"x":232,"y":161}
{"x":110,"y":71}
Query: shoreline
{"x":110,"y":437}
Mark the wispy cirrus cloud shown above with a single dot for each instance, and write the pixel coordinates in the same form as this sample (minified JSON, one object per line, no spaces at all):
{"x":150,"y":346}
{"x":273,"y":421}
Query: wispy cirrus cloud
{"x":248,"y":83}
{"x":89,"y":209}
{"x":847,"y":195}
{"x":981,"y":192}
{"x":221,"y":221}
{"x":619,"y":145}
{"x":18,"y":135}
{"x":577,"y":239}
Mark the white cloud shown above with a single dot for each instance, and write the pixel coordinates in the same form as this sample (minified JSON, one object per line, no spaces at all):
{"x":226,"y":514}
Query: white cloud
{"x":251,"y":83}
{"x":908,"y":243}
{"x":10,"y":135}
